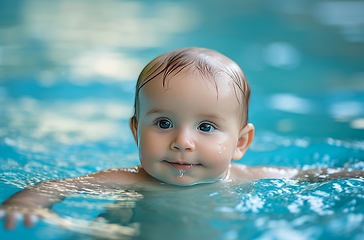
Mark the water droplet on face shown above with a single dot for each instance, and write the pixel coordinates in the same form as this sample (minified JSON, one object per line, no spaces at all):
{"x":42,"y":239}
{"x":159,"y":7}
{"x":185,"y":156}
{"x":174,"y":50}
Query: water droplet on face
{"x":181,"y":172}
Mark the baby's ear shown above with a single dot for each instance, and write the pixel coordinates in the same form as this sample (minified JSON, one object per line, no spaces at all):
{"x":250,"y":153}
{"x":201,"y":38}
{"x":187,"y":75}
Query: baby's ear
{"x":133,"y":124}
{"x":246,"y":137}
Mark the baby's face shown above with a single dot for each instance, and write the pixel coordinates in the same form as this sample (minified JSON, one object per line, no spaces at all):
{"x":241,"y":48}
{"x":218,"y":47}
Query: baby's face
{"x":187,"y":131}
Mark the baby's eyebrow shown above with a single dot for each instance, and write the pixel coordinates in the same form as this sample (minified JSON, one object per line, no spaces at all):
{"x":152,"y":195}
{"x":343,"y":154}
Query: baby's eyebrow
{"x":152,"y":111}
{"x":201,"y":116}
{"x":212,"y":116}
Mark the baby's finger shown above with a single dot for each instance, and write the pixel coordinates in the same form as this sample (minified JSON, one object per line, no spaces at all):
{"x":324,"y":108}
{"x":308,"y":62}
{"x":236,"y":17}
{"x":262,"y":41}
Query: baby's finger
{"x":11,"y":219}
{"x":2,"y":214}
{"x":30,"y":220}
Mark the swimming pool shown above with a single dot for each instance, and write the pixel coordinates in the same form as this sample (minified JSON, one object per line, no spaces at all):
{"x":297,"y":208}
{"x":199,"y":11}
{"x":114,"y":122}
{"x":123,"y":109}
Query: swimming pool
{"x":67,"y":75}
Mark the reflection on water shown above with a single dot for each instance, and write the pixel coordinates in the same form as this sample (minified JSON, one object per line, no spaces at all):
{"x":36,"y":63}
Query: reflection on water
{"x":73,"y":123}
{"x":282,"y":55}
{"x":291,"y":103}
{"x":59,"y":40}
{"x":264,"y":209}
{"x":87,"y":40}
{"x":348,"y":16}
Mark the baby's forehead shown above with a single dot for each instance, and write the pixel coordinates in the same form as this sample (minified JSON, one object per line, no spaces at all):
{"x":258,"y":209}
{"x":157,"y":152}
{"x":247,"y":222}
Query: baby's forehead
{"x":188,"y":83}
{"x":218,"y":84}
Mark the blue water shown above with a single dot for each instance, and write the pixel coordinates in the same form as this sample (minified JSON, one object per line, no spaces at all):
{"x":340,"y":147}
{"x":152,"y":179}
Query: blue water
{"x":67,"y":76}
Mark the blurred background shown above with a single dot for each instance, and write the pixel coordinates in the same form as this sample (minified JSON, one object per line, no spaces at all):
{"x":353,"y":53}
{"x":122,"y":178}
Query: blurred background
{"x":68,"y":67}
{"x":68,"y":70}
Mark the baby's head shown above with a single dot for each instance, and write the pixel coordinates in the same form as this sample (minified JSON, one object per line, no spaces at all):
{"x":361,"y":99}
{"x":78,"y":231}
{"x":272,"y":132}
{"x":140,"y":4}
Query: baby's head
{"x":208,"y":64}
{"x":191,"y":116}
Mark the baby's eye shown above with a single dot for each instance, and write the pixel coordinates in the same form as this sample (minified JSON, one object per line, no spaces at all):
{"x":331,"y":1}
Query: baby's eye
{"x":164,"y":124}
{"x":206,"y":127}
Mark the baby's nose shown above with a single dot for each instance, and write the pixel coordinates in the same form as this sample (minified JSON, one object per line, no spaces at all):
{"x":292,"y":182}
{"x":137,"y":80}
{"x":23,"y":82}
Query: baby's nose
{"x":183,"y":142}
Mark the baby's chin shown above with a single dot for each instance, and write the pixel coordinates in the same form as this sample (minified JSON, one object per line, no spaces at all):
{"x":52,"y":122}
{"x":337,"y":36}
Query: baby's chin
{"x":184,"y":179}
{"x":192,"y":183}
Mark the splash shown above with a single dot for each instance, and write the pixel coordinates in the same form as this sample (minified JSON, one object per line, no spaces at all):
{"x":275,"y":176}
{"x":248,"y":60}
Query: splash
{"x":181,"y":172}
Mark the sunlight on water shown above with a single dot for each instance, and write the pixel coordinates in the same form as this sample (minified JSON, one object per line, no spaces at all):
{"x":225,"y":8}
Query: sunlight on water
{"x":73,"y":123}
{"x":347,"y":15}
{"x":90,"y":41}
{"x":291,"y":103}
{"x":259,"y":204}
{"x":273,"y":207}
{"x":282,"y":55}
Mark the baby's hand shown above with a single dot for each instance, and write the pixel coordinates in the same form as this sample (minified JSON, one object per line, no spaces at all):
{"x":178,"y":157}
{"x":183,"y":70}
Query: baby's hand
{"x":13,"y":215}
{"x":29,"y":216}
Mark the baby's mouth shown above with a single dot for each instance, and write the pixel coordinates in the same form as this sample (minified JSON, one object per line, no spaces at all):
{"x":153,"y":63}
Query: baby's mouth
{"x":182,"y":166}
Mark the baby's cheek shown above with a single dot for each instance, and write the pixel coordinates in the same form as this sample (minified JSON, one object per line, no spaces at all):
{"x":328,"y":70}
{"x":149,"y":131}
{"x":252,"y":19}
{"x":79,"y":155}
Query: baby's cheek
{"x":223,"y":146}
{"x":219,"y":153}
{"x":150,"y":148}
{"x":147,"y":150}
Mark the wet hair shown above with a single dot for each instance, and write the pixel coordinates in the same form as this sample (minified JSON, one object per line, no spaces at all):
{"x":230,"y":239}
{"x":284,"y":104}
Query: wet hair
{"x":209,"y":64}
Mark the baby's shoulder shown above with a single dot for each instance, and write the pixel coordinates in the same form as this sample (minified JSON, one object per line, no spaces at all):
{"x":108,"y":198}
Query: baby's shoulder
{"x":121,"y":176}
{"x":240,"y":171}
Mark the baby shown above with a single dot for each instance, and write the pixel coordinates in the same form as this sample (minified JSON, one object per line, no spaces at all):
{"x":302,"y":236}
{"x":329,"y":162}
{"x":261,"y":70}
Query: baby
{"x":190,"y":122}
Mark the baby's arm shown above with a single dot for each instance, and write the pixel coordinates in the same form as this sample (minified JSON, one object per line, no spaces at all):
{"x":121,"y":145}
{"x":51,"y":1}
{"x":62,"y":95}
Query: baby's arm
{"x":37,"y":200}
{"x":313,"y":175}
{"x":240,"y":171}
{"x":326,"y":174}
{"x":30,"y":203}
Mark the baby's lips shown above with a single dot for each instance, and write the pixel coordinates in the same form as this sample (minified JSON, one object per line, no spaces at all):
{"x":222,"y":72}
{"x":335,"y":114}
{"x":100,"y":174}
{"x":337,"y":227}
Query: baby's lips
{"x":184,"y":167}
